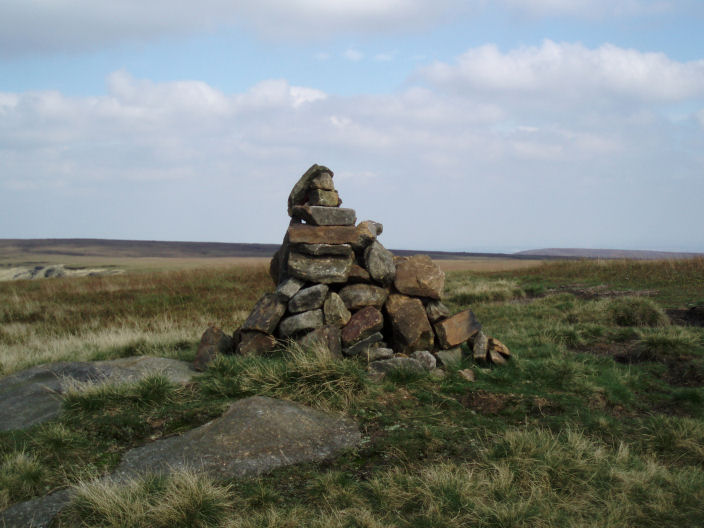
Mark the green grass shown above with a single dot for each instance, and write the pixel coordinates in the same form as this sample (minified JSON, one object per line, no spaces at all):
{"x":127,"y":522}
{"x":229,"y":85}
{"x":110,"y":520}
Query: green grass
{"x":598,"y":420}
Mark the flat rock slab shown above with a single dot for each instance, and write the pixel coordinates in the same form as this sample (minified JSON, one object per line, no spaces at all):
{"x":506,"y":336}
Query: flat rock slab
{"x":35,"y":513}
{"x":33,"y":396}
{"x":254,"y":435}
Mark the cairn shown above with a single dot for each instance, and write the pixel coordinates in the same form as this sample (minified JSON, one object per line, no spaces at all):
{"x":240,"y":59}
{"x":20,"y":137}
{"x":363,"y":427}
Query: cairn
{"x":338,"y":286}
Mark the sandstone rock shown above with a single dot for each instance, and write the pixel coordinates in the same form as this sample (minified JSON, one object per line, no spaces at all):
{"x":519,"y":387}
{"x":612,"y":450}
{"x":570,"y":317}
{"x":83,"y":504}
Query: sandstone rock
{"x":480,"y":346}
{"x":425,"y":358}
{"x":324,"y":198}
{"x":379,"y":369}
{"x":496,"y":358}
{"x":308,"y":234}
{"x":436,"y":310}
{"x":335,"y":311}
{"x":325,"y":216}
{"x":301,"y":323}
{"x":317,"y":250}
{"x":36,"y":513}
{"x":288,"y":288}
{"x":253,"y":436}
{"x":409,"y":324}
{"x":365,"y":345}
{"x":274,"y":265}
{"x":308,"y":299}
{"x":419,"y":276}
{"x":362,"y":324}
{"x":467,"y":374}
{"x":356,"y":296}
{"x":457,"y":329}
{"x":358,"y":274}
{"x":322,"y":180}
{"x":299,"y":193}
{"x":366,"y":232}
{"x":451,"y":357}
{"x":379,"y":261}
{"x":497,"y":346}
{"x":255,"y":343}
{"x":437,"y":374}
{"x":266,"y":314}
{"x":213,"y":342}
{"x":377,"y":353}
{"x":328,"y":336}
{"x":325,"y":269}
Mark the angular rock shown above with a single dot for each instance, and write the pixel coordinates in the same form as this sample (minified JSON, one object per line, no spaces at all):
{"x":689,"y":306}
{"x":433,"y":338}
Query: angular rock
{"x":358,"y":274}
{"x":365,"y":345}
{"x":437,"y":374}
{"x":356,"y":296}
{"x":451,"y":357}
{"x":379,"y":261}
{"x":497,"y":346}
{"x":288,"y":288}
{"x":324,"y":198}
{"x":277,"y":266}
{"x":366,"y":233}
{"x":322,"y":180}
{"x":253,"y":436}
{"x":212,"y":343}
{"x":377,"y":353}
{"x":419,"y":276}
{"x":379,"y":369}
{"x":409,"y":323}
{"x":317,"y":250}
{"x":335,"y":311}
{"x":308,"y":234}
{"x":302,"y":322}
{"x":480,"y":347}
{"x":266,"y":314}
{"x":255,"y":343}
{"x":425,"y":358}
{"x":468,"y":374}
{"x":325,"y":269}
{"x":436,"y":310}
{"x":496,"y":358}
{"x":457,"y":329}
{"x":308,"y":299}
{"x":327,"y":336}
{"x":300,"y":192}
{"x":325,"y":216}
{"x":361,"y":325}
{"x":36,"y":513}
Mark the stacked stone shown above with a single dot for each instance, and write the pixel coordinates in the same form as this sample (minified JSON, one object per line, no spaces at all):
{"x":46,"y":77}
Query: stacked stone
{"x":339,"y":286}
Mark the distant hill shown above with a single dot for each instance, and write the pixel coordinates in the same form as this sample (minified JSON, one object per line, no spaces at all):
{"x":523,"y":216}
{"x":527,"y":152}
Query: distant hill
{"x":605,"y":254}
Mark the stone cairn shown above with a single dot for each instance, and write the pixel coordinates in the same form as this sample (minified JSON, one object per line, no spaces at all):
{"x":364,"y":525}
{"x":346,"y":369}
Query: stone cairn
{"x":339,"y":287}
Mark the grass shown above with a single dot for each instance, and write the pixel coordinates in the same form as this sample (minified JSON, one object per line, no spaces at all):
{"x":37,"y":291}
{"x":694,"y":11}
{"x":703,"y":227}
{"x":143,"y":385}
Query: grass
{"x":598,"y":420}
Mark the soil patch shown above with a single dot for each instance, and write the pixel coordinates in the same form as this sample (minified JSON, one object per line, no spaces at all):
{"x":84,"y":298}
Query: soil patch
{"x":687,"y":316}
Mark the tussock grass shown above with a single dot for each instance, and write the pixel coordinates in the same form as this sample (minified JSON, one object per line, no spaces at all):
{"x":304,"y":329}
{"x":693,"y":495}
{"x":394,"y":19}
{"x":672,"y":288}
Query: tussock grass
{"x":462,"y":289}
{"x":664,"y":343}
{"x":637,"y":311}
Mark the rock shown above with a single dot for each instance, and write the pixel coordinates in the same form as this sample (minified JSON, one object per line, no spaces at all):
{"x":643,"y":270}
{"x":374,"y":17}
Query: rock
{"x":308,"y":234}
{"x":266,"y":314}
{"x":356,"y":296}
{"x":497,"y":346}
{"x":301,"y":322}
{"x":328,"y":336}
{"x":322,"y":180}
{"x":451,"y":357}
{"x":307,"y":299}
{"x":496,"y":358}
{"x":366,"y":232}
{"x":457,"y":329}
{"x":419,"y":276}
{"x":358,"y":274}
{"x":274,"y":264}
{"x":425,"y":358}
{"x":277,"y":266}
{"x":33,"y":396}
{"x":212,"y":343}
{"x":300,"y":191}
{"x":379,"y":369}
{"x":253,"y":436}
{"x":317,"y":250}
{"x":436,"y":310}
{"x":325,"y":216}
{"x":379,"y":262}
{"x":335,"y":311}
{"x":364,"y":346}
{"x":480,"y":347}
{"x":362,"y":324}
{"x":409,"y":323}
{"x":288,"y":288}
{"x":437,"y":374}
{"x":36,"y":513}
{"x":255,"y":343}
{"x":323,"y":269}
{"x":324,"y":198}
{"x":467,"y":374}
{"x":377,"y":353}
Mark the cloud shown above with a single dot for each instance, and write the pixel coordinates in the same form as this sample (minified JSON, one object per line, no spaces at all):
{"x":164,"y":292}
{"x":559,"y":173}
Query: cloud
{"x":591,"y":8}
{"x":353,"y":55}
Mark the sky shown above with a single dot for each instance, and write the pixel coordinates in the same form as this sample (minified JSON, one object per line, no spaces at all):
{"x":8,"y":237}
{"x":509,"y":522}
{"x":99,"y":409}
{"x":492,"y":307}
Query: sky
{"x":461,"y":125}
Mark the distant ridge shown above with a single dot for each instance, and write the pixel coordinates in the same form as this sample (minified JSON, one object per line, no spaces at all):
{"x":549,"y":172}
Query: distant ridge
{"x":606,"y":254}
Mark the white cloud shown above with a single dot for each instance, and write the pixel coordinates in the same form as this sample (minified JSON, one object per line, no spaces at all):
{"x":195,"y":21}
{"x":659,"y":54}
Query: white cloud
{"x":353,"y":55}
{"x":591,"y":8}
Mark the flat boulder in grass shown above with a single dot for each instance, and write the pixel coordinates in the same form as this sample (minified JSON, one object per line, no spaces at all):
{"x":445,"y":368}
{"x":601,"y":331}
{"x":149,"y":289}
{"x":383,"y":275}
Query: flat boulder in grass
{"x":213,"y":342}
{"x":457,"y":329}
{"x":362,"y":324}
{"x":419,"y":276}
{"x":253,"y":343}
{"x":379,"y":369}
{"x":266,"y":314}
{"x":356,"y":296}
{"x":409,"y":323}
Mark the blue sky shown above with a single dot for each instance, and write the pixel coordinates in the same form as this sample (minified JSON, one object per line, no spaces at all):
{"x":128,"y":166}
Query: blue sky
{"x":460,"y":125}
